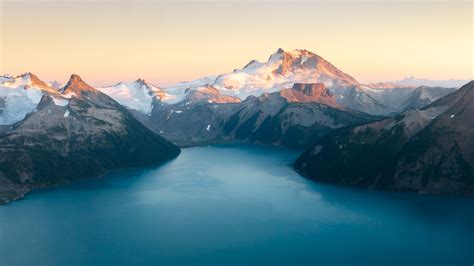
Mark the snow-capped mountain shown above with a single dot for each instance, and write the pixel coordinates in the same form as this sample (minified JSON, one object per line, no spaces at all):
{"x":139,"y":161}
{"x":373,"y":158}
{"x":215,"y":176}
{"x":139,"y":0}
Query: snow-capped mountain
{"x":280,"y":71}
{"x":19,"y":95}
{"x":283,"y":69}
{"x":137,"y":95}
{"x":141,"y":96}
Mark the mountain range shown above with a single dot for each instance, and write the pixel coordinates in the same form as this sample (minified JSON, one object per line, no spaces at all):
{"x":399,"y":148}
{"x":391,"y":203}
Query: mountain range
{"x":281,"y":71}
{"x":295,"y":99}
{"x":73,"y":133}
{"x":417,"y":82}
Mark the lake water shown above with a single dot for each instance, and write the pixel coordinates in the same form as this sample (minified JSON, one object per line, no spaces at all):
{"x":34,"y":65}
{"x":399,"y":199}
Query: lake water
{"x":232,"y":205}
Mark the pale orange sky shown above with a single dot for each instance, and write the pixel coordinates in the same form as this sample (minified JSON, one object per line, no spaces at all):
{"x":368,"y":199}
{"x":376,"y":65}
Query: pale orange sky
{"x":107,"y":41}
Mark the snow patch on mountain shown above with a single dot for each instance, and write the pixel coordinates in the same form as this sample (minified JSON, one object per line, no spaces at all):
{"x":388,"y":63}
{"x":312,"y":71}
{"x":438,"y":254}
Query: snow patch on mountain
{"x":60,"y":101}
{"x":134,"y":95}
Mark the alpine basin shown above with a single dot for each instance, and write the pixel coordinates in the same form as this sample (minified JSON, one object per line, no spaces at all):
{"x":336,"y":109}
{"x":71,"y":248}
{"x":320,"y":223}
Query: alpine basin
{"x":232,"y":205}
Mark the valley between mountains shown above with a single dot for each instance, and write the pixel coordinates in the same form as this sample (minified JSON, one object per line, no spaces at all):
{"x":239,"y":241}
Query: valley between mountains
{"x":389,"y":136}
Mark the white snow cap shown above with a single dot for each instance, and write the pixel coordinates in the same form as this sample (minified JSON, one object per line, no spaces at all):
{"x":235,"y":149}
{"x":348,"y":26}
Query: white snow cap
{"x":257,"y":78}
{"x":20,"y":95}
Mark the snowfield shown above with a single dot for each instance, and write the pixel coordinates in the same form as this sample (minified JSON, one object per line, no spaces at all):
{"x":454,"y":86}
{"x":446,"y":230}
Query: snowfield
{"x":18,"y":96}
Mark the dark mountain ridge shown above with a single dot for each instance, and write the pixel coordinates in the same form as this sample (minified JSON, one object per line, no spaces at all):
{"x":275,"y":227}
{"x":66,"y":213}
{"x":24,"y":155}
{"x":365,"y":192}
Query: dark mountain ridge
{"x":428,"y":150}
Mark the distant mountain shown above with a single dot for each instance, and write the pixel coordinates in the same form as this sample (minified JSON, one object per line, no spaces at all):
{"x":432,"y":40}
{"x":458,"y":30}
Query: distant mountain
{"x":20,"y":95}
{"x":423,"y":96}
{"x":55,"y":85}
{"x":387,"y":101}
{"x":293,"y":117}
{"x":282,"y":70}
{"x":142,"y":96}
{"x":196,"y":112}
{"x":75,"y":133}
{"x":417,"y":82}
{"x":427,"y":150}
{"x":137,"y":95}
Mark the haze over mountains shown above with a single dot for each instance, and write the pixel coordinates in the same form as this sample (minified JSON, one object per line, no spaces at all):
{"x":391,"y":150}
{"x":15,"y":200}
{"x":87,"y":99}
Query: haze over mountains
{"x":416,"y":82}
{"x":295,"y":99}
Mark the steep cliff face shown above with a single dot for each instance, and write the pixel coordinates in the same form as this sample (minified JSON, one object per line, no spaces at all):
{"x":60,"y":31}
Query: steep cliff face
{"x":310,"y":92}
{"x":428,"y":150}
{"x":79,"y":133}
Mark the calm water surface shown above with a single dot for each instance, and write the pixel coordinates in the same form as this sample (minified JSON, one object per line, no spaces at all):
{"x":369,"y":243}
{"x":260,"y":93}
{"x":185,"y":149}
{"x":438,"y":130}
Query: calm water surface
{"x":232,"y":205}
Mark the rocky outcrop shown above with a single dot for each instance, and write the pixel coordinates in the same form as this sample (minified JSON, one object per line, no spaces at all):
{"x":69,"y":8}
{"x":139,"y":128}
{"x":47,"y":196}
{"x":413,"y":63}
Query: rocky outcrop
{"x":80,"y":133}
{"x":427,"y":150}
{"x":310,"y":92}
{"x":423,"y":96}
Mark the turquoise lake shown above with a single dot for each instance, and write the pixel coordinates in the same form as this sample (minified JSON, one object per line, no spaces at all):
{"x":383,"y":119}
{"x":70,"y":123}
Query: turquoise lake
{"x":232,"y":205}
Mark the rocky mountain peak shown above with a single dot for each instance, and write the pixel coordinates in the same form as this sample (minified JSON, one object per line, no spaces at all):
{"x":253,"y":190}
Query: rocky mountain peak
{"x":31,"y":80}
{"x":140,"y":81}
{"x":77,"y":86}
{"x":303,"y":61}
